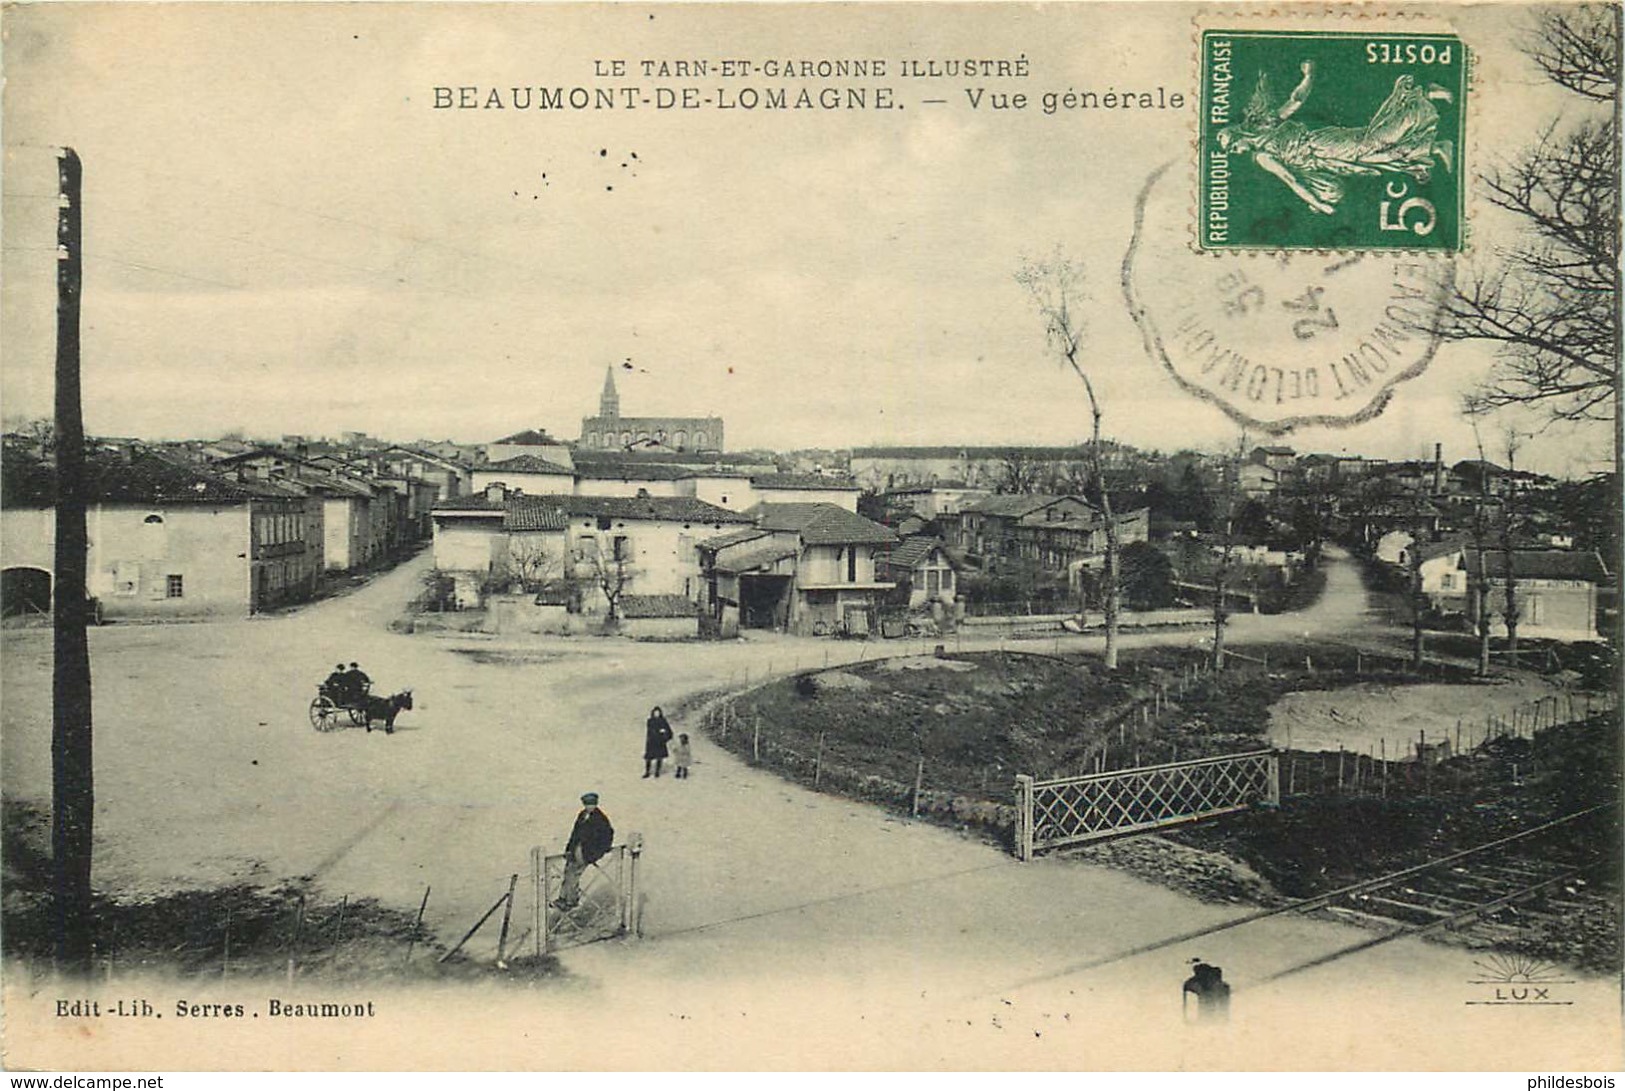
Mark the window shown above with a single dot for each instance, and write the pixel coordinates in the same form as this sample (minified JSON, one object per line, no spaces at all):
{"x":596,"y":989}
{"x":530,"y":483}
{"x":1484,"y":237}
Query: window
{"x":173,"y":588}
{"x":947,"y":579}
{"x":623,"y":550}
{"x":933,"y":581}
{"x":1448,"y":582}
{"x":154,"y":520}
{"x":852,"y":566}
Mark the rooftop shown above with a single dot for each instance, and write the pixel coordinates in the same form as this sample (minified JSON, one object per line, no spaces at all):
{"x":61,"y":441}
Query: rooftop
{"x":129,"y":475}
{"x":527,"y":464}
{"x":803,"y":481}
{"x":1540,"y":564}
{"x":657,"y":606}
{"x":823,"y":524}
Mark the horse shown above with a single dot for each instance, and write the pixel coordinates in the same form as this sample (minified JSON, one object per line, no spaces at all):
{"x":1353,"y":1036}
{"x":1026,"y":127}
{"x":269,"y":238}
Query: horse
{"x":386,"y":709}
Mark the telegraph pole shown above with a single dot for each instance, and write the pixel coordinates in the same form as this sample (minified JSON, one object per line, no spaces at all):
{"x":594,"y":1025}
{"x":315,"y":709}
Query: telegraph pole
{"x":72,"y":783}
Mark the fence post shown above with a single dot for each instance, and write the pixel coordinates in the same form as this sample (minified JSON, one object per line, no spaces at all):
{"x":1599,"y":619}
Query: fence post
{"x":919,"y":780}
{"x":1024,"y":816}
{"x":631,"y":914}
{"x":756,"y":740}
{"x":538,"y":866}
{"x":818,"y":760}
{"x":417,"y":926}
{"x":1272,"y":787}
{"x":507,"y":916}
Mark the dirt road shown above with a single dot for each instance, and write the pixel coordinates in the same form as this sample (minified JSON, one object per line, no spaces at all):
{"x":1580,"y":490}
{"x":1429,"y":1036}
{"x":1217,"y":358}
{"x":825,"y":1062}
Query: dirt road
{"x":784,"y":928}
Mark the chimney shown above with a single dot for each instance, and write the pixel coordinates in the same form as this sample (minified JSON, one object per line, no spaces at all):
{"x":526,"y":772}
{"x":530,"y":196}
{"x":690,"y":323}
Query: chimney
{"x":496,"y":492}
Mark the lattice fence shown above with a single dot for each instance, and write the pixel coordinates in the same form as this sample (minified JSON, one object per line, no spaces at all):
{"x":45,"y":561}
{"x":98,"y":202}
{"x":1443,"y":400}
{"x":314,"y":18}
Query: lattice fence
{"x":1069,"y":810}
{"x":608,"y":905}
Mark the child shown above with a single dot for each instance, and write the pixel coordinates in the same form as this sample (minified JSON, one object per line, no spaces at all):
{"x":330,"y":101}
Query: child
{"x":681,"y":755}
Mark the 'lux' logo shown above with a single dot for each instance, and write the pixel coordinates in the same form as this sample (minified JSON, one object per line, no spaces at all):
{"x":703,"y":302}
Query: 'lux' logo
{"x":1522,"y":994}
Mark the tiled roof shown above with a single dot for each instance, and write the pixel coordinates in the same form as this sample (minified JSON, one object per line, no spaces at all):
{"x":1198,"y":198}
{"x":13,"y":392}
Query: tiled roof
{"x":1042,"y":453}
{"x":657,"y":606}
{"x":917,"y":490}
{"x":911,"y":551}
{"x":527,"y":464}
{"x":530,"y":437}
{"x":735,"y":537}
{"x":823,"y":524}
{"x":802,"y":481}
{"x":1432,"y":550}
{"x":1015,"y":505}
{"x":144,"y":477}
{"x":533,"y":513}
{"x":1540,"y":564}
{"x":756,"y":558}
{"x":622,"y":471}
{"x":474,"y":503}
{"x":671,"y":509}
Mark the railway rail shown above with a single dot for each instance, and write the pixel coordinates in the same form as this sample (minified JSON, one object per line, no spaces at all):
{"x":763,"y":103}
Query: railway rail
{"x":1494,"y":891}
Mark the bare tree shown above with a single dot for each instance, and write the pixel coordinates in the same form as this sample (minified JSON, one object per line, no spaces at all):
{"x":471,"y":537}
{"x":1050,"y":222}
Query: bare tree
{"x":611,"y":576}
{"x":1019,"y":471}
{"x":1056,"y":288}
{"x":1550,"y":302}
{"x":530,"y":563}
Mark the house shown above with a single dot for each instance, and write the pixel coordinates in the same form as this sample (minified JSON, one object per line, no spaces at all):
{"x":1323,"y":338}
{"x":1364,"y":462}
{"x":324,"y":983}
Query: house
{"x":531,"y":441}
{"x":780,"y":488}
{"x":1280,"y":459}
{"x":803,"y":568}
{"x":729,"y":489}
{"x":630,"y":477}
{"x":605,"y":545}
{"x":1557,"y":590}
{"x":1258,"y":481}
{"x":360,"y":516}
{"x":1062,"y":545}
{"x":166,"y":538}
{"x":525,"y":473}
{"x":923,"y":566}
{"x":987,"y":526}
{"x":941,"y":498}
{"x":450,"y":477}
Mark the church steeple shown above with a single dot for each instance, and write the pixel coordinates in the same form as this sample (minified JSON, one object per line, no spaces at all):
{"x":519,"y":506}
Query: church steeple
{"x":609,"y":404}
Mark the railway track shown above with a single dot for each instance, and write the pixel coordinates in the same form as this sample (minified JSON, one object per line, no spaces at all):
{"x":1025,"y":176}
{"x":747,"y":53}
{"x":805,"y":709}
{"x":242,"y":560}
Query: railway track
{"x":1496,"y":892}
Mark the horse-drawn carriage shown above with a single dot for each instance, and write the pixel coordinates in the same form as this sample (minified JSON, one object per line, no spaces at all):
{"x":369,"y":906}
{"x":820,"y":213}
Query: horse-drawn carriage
{"x":334,"y":708}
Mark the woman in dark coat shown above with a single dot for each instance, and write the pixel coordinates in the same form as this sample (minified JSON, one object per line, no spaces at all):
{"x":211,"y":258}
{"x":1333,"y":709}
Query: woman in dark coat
{"x":654,"y":741}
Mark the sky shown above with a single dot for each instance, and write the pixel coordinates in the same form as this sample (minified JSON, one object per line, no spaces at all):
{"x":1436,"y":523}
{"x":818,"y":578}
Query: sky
{"x":283,"y":235}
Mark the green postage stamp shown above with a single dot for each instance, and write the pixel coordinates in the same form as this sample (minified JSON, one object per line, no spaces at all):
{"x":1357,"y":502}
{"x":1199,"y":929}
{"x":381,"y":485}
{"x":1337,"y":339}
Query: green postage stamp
{"x":1332,"y":141}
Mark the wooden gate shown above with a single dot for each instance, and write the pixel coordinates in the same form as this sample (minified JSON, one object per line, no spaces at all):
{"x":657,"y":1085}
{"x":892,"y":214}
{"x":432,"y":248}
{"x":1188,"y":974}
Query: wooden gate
{"x":1069,"y":810}
{"x":608,"y":906}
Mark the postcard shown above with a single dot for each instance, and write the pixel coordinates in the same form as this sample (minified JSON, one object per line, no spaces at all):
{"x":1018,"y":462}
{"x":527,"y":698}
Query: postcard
{"x":801,"y":537}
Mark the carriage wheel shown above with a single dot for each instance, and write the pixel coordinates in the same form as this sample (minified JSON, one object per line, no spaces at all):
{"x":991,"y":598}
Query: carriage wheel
{"x":358,"y":716}
{"x":324,"y":714}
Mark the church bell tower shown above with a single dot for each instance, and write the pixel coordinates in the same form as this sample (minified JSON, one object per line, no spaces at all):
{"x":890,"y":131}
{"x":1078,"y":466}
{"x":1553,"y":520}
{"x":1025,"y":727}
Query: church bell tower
{"x":609,"y":404}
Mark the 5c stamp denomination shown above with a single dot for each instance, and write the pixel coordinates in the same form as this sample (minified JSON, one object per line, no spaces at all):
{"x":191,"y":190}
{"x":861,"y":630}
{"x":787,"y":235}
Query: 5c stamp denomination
{"x":1314,"y":140}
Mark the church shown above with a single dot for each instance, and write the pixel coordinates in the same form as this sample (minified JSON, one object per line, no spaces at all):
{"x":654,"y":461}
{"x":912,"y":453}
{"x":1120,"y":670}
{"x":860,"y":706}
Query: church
{"x":609,"y":431}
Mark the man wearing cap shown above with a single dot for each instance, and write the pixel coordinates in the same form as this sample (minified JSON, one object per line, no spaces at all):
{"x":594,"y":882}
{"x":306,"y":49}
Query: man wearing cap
{"x":590,"y":838}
